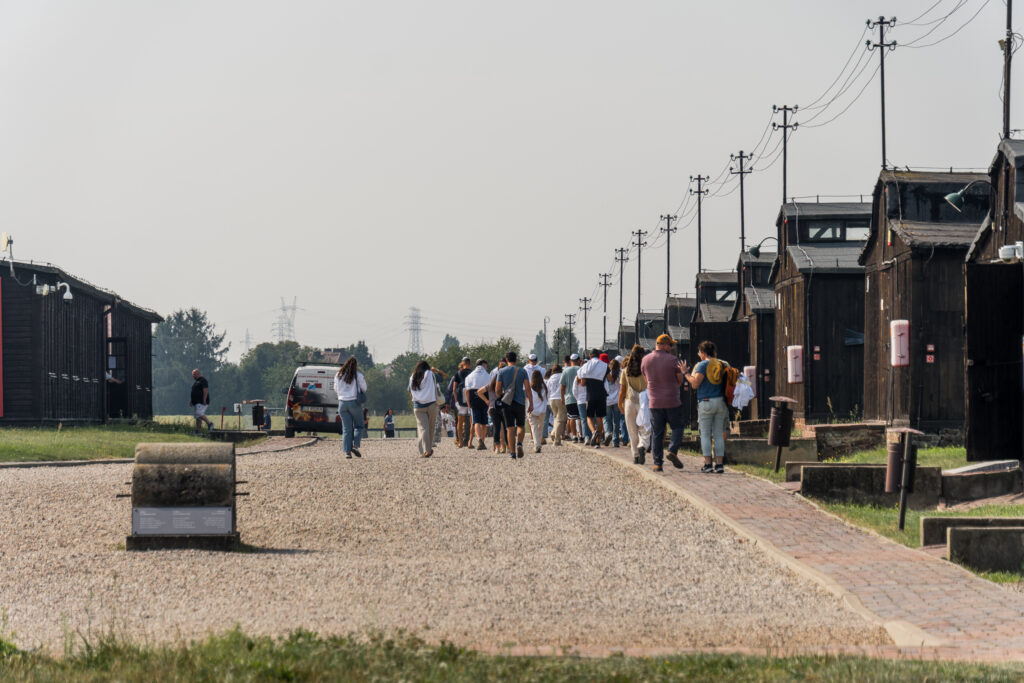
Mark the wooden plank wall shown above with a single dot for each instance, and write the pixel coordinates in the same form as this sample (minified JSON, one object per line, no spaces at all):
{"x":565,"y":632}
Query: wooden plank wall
{"x":139,"y":382}
{"x":761,"y":342}
{"x":72,"y":358}
{"x":789,"y":331}
{"x":23,"y":377}
{"x":837,"y":379}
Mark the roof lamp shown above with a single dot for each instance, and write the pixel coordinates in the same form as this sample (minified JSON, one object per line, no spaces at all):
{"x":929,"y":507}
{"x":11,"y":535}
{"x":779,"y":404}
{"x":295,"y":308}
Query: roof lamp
{"x":956,"y":199}
{"x":755,"y":250}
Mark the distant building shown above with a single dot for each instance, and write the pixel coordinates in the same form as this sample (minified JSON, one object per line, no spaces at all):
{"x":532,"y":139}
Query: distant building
{"x":755,"y":309}
{"x":71,"y":351}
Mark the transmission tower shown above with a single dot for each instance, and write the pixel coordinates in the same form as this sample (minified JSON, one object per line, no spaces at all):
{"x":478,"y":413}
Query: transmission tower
{"x":247,"y":342}
{"x":284,"y":327}
{"x":414,"y":324}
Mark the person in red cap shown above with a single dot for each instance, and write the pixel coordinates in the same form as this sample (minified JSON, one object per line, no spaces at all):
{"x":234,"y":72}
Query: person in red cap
{"x":664,"y":374}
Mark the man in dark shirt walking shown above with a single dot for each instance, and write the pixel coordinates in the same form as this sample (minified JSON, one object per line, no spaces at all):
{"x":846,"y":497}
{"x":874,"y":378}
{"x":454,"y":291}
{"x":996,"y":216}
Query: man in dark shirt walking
{"x":200,"y":400}
{"x":464,"y":415}
{"x":664,"y":374}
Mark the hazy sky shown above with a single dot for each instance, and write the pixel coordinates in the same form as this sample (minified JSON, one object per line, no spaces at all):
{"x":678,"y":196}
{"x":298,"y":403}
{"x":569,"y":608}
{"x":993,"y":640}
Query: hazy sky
{"x":478,"y":160}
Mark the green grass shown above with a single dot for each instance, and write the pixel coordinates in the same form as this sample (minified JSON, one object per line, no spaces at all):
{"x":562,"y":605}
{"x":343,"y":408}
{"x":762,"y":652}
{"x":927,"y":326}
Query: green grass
{"x":305,"y":656}
{"x":945,"y":457}
{"x":402,"y":421}
{"x":24,"y":444}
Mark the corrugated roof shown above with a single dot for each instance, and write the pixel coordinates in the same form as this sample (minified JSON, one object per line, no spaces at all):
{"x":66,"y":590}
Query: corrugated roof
{"x":765,"y":258}
{"x":681,"y":302}
{"x":921,"y":234}
{"x":824,"y":210}
{"x":650,"y":315}
{"x":958,"y":177}
{"x":716,"y":278}
{"x":104,"y":295}
{"x":760,"y":298}
{"x":679,"y":333}
{"x":716,"y":313}
{"x":837,"y":257}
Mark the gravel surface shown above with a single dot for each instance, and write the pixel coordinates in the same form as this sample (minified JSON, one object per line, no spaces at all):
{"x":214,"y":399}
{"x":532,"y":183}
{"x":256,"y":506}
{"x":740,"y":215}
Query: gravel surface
{"x":561,"y":548}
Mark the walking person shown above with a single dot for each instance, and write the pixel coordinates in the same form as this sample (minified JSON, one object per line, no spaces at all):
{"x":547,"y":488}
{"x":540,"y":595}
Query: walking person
{"x":568,"y":396}
{"x":461,"y":407}
{"x":613,"y":416}
{"x":513,"y":378}
{"x":664,"y":374}
{"x":348,"y":384}
{"x":426,"y":407}
{"x":475,"y":381}
{"x":389,"y":424}
{"x":539,"y":410}
{"x":623,"y":431}
{"x":631,"y":384}
{"x":494,"y":409}
{"x":708,"y":380}
{"x":592,"y":376}
{"x":199,"y":399}
{"x":555,"y":403}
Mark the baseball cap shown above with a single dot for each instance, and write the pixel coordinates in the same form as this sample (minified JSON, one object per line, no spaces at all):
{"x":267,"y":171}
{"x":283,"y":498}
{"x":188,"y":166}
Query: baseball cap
{"x":532,"y":356}
{"x":466,"y":359}
{"x":574,"y":356}
{"x":618,"y":358}
{"x":603,"y":358}
{"x":664,"y":339}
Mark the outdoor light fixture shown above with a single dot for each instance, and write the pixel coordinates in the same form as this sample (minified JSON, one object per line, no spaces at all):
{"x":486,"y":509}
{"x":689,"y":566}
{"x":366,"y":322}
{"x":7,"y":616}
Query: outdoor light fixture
{"x":956,"y":199}
{"x":755,"y":250}
{"x":68,"y":297}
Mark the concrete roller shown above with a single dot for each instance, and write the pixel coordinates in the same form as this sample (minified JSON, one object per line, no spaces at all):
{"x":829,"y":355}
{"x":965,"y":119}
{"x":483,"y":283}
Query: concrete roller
{"x":185,"y":454}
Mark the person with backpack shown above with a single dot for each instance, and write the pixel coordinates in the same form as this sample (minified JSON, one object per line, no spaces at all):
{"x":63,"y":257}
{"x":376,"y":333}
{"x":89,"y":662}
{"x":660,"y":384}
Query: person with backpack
{"x":516,"y":399}
{"x":709,"y":379}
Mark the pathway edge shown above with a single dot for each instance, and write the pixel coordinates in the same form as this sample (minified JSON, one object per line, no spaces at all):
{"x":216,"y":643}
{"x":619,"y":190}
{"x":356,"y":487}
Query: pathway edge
{"x":903,"y":634}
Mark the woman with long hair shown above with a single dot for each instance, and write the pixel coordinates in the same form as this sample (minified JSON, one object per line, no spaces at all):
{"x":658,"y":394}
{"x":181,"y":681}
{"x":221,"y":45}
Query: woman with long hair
{"x":348,"y":383}
{"x":389,"y":424}
{"x":539,"y":413}
{"x":423,"y":387}
{"x":631,"y":384}
{"x":612,"y":421}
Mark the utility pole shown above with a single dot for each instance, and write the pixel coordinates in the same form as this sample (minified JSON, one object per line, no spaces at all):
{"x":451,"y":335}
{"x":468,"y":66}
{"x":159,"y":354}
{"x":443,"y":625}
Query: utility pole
{"x":700,"y":192}
{"x":785,"y":109}
{"x":667,"y":231}
{"x":639,"y":244}
{"x":741,"y":157}
{"x":546,"y":321}
{"x":1007,"y":56}
{"x":585,"y":307}
{"x":883,"y":47}
{"x":620,"y":258}
{"x":605,"y":283}
{"x":570,"y":318}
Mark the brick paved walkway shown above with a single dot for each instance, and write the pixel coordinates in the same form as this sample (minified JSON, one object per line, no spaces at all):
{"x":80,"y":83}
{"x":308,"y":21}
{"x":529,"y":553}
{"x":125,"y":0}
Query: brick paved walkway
{"x":931,"y":607}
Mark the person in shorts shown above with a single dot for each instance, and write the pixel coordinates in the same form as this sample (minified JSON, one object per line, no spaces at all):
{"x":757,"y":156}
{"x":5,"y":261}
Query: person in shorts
{"x":568,"y":382}
{"x":514,"y":377}
{"x":494,"y":410}
{"x":475,"y":381}
{"x":199,"y":399}
{"x":462,"y":432}
{"x":592,"y":375}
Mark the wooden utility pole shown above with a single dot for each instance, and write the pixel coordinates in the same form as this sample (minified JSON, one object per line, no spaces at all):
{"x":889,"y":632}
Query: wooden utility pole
{"x":639,"y":244}
{"x":786,"y":110}
{"x":606,"y":282}
{"x":585,"y":306}
{"x":667,"y":231}
{"x":741,"y":157}
{"x":882,"y":47}
{"x":620,"y":258}
{"x":700,"y":192}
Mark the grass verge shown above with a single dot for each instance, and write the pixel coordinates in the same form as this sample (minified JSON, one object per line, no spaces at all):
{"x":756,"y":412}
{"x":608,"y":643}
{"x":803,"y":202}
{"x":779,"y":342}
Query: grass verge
{"x":303,"y":656}
{"x":25,"y":444}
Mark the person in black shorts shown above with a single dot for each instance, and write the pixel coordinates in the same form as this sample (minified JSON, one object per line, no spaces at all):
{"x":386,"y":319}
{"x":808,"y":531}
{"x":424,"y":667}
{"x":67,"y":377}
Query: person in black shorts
{"x":475,"y":381}
{"x":513,"y":377}
{"x":594,"y":372}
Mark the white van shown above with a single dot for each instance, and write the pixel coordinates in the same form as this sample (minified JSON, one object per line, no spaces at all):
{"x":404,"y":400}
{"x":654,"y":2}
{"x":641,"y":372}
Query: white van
{"x":312,"y":405}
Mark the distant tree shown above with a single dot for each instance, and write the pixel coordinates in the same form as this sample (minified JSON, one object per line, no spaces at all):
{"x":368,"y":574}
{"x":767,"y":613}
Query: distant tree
{"x":449,"y":342}
{"x":266,"y":371}
{"x":541,"y":348}
{"x":563,"y":343}
{"x":185,"y":340}
{"x":362,"y":353}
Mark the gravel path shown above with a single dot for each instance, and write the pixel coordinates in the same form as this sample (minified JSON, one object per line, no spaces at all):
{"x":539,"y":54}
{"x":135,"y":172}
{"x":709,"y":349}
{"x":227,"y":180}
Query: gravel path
{"x":561,"y":548}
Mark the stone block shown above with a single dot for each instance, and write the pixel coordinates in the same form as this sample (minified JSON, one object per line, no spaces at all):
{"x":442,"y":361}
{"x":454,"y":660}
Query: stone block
{"x":865,"y":485}
{"x":933,"y":529}
{"x":838,"y":440}
{"x":794,"y":467}
{"x":987,"y":549}
{"x":758,"y":452}
{"x":978,"y":485}
{"x":752,"y":429}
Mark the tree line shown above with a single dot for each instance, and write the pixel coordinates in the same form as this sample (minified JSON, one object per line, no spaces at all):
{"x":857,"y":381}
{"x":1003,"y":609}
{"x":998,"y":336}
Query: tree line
{"x":187,"y":339}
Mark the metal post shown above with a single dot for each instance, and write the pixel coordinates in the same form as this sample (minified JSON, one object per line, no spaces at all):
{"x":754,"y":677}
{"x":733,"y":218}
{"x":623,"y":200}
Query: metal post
{"x":1007,"y":57}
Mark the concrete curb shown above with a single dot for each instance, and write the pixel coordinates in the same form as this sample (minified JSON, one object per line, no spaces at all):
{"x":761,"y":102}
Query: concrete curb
{"x":128,"y":461}
{"x":903,"y":633}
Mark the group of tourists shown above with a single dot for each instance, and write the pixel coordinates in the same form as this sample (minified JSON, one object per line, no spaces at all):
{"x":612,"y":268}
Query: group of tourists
{"x":600,"y":401}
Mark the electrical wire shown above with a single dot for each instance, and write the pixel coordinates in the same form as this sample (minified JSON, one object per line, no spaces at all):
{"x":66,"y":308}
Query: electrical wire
{"x":847,"y":107}
{"x":858,"y":44}
{"x":913,"y":44}
{"x":915,"y":20}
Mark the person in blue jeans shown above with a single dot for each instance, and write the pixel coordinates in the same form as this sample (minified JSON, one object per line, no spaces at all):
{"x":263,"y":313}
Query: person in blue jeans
{"x":708,"y":380}
{"x":347,"y":384}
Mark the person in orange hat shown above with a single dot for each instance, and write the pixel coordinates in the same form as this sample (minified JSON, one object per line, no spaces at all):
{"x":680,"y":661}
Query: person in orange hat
{"x":664,"y":374}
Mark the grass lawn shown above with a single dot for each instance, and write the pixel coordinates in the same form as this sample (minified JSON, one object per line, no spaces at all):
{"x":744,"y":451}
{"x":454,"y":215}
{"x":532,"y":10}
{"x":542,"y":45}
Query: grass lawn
{"x":946,"y":458}
{"x":23,"y":444}
{"x":306,"y":656}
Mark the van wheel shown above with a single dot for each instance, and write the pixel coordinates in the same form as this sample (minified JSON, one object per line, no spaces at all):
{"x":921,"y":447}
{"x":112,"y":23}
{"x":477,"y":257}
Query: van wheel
{"x":289,"y":433}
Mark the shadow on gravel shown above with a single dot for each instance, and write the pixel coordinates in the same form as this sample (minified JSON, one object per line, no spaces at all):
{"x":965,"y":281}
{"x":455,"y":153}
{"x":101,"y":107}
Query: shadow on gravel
{"x":260,"y":550}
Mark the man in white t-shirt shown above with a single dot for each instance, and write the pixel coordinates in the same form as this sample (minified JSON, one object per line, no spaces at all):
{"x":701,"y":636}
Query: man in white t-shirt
{"x":533,"y":366}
